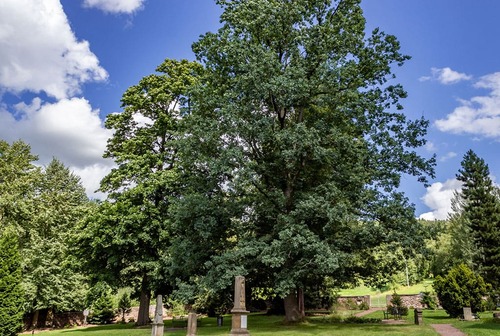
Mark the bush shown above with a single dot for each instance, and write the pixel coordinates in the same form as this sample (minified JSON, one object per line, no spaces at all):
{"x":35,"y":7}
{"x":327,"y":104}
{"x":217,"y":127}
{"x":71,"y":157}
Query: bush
{"x":100,"y":300}
{"x":124,"y":304}
{"x":460,"y":288}
{"x":397,"y":303}
{"x":429,"y":300}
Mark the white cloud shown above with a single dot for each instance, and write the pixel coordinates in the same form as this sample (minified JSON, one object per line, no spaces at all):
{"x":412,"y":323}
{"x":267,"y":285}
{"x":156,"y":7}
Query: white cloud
{"x":446,"y":76}
{"x":430,"y":146}
{"x":69,"y":130}
{"x":438,"y":198}
{"x":116,"y":6}
{"x":39,"y":52}
{"x":447,"y":156}
{"x":478,"y":116}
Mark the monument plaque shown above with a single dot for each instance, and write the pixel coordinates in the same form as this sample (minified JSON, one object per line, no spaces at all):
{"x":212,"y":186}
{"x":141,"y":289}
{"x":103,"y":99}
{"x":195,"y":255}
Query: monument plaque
{"x":239,"y":312}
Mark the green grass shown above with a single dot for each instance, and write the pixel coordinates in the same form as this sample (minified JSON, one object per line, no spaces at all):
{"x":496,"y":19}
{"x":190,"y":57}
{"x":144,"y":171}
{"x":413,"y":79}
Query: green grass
{"x":484,"y":327}
{"x":259,"y":325}
{"x":272,"y":325}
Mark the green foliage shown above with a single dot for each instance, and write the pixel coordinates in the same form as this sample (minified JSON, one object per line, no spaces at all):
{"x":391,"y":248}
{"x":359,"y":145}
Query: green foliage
{"x":397,"y":305}
{"x":299,"y":144}
{"x":126,"y":239}
{"x":482,"y":211}
{"x":11,"y":293}
{"x":124,"y":303}
{"x":51,"y":273}
{"x":429,"y":300}
{"x":461,"y":287}
{"x":100,"y":301}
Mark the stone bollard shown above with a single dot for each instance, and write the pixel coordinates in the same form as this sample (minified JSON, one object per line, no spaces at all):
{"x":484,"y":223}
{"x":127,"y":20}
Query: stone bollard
{"x":419,"y":319}
{"x":239,"y":312}
{"x":158,"y":326}
{"x":191,"y":327}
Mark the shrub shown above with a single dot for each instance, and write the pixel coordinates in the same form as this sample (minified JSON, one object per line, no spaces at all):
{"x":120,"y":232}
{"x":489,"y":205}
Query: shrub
{"x":460,"y":288}
{"x":364,"y":306}
{"x":100,"y":300}
{"x":429,"y":300}
{"x":124,"y":304}
{"x":397,"y":303}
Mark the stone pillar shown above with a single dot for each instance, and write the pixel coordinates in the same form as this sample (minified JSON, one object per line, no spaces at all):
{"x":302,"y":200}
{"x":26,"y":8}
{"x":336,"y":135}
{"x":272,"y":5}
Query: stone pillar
{"x":158,"y":319}
{"x":468,"y":314}
{"x":191,"y":327}
{"x":419,"y":316}
{"x":239,"y":312}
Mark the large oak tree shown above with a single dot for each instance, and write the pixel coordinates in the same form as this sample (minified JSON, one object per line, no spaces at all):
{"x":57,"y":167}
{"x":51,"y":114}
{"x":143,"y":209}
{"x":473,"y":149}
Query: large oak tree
{"x":300,"y":139}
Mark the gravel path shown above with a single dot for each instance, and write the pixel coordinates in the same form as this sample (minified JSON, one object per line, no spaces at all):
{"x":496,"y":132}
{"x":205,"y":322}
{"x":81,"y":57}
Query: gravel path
{"x":447,"y":330}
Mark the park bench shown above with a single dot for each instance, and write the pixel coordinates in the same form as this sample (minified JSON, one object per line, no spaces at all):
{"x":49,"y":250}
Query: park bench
{"x":392,"y":312}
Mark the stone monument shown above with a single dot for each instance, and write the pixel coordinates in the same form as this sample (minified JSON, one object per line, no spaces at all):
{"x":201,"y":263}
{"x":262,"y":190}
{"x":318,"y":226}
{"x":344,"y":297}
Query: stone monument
{"x":85,"y":314}
{"x":239,"y":312}
{"x":418,"y":316}
{"x":191,"y":327}
{"x":158,"y":319}
{"x":468,"y":314}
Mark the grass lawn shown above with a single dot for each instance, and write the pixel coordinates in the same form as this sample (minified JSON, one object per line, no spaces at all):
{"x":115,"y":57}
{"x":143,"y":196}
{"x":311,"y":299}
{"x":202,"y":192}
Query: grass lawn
{"x":272,"y":325}
{"x":485,"y":327}
{"x":258,"y":325}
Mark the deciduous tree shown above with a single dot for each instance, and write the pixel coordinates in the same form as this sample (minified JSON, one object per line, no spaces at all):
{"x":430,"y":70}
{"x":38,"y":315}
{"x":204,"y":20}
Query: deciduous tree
{"x":129,"y":232}
{"x":298,"y":135}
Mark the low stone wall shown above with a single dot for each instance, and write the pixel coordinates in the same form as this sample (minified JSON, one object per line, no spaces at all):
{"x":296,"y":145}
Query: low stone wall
{"x":358,"y":300}
{"x":408,"y":300}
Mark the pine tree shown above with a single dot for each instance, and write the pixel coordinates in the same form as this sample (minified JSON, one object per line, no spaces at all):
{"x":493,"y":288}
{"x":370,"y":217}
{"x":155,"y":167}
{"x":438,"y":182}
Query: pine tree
{"x":482,"y":210}
{"x":11,"y":296}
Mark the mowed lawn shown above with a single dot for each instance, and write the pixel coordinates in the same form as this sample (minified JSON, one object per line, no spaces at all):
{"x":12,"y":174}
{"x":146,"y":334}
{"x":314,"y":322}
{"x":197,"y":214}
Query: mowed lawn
{"x":272,"y":325}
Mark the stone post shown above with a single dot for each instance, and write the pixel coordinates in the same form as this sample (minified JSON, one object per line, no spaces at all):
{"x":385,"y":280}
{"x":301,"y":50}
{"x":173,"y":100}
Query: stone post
{"x":239,"y":312}
{"x":191,"y":327}
{"x":468,"y":314}
{"x":419,"y":316}
{"x":158,"y":319}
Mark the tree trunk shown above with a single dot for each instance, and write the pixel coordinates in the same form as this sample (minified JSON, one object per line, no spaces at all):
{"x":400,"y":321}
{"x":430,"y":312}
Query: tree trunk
{"x":292,"y":308}
{"x":144,"y":300}
{"x":34,"y":320}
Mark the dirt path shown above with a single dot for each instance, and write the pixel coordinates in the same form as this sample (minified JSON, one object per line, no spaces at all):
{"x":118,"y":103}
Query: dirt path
{"x":369,"y":311}
{"x":447,"y":330}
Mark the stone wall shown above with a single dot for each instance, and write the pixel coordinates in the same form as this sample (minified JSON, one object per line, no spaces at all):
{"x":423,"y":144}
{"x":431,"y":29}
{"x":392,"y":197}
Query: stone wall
{"x":409,"y":300}
{"x":358,"y":300}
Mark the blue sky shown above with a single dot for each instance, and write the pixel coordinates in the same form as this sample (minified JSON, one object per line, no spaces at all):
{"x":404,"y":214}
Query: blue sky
{"x":64,"y":65}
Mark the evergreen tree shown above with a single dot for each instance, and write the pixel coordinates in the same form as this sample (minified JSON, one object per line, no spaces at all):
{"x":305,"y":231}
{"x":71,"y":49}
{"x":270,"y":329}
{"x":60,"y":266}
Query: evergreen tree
{"x":11,"y":294}
{"x":482,"y":211}
{"x":50,"y":273}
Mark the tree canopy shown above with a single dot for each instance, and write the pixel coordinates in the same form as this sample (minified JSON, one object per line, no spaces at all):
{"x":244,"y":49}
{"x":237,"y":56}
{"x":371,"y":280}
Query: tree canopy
{"x":299,"y":135}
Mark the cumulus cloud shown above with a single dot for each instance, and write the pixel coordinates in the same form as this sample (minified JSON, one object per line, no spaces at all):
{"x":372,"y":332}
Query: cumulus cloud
{"x":446,"y":76}
{"x":438,"y":199}
{"x":39,"y":52}
{"x":447,"y":156}
{"x":115,"y":6}
{"x":478,"y":116}
{"x":69,"y":130}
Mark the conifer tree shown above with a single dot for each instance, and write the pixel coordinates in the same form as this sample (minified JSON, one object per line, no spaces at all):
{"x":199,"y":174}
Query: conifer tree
{"x":482,"y":210}
{"x":11,"y":296}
